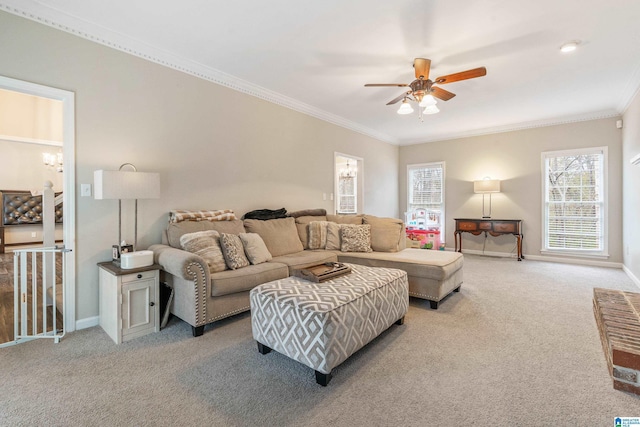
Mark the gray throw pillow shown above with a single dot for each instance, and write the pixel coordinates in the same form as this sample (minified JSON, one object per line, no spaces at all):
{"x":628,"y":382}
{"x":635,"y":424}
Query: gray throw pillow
{"x":254,"y":248}
{"x":207,"y":245}
{"x":233,"y":251}
{"x":355,"y":238}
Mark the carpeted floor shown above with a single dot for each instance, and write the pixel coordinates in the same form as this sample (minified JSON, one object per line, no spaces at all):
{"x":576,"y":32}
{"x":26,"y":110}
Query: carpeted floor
{"x":518,"y":346}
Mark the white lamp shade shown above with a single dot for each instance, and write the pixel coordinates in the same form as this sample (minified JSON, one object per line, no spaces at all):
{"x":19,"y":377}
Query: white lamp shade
{"x":427,"y":100}
{"x":126,"y":185}
{"x":486,"y":186}
{"x":405,"y":108}
{"x":431,"y":109}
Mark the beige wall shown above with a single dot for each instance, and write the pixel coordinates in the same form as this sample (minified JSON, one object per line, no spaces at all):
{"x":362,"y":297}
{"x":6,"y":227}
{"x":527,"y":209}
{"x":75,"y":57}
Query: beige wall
{"x":515,"y":159}
{"x":631,"y":188}
{"x":22,"y":167}
{"x":214,"y":147}
{"x":30,"y":117}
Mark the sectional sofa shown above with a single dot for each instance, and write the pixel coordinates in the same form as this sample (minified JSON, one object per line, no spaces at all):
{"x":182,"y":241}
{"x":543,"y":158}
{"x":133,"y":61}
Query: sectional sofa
{"x":202,"y":296}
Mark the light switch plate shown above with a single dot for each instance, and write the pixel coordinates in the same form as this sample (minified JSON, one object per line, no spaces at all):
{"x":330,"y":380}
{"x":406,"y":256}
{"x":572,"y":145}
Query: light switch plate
{"x":85,"y":190}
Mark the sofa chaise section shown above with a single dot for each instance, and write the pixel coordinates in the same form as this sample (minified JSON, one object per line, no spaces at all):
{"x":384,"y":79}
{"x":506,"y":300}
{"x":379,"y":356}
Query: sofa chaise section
{"x":432,"y":274}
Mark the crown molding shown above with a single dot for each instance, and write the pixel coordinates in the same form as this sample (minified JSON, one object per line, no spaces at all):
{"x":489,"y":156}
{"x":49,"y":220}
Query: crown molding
{"x":33,"y":10}
{"x":518,"y":126}
{"x":51,"y":17}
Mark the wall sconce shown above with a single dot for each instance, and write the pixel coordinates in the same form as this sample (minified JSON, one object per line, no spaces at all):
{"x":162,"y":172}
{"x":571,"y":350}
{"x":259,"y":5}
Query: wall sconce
{"x":484,"y":187}
{"x":126,"y":185}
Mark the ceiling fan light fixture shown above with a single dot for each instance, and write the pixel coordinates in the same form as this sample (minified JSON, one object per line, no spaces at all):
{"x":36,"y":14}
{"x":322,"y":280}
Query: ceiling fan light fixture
{"x":431,"y":109}
{"x":427,"y":100}
{"x":569,"y":46}
{"x":405,"y":108}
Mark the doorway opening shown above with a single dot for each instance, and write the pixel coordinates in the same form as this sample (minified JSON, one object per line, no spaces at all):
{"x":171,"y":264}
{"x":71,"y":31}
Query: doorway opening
{"x":51,"y":145}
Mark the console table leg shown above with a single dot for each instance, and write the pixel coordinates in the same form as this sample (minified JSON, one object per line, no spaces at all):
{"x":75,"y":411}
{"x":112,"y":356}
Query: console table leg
{"x":519,"y":236}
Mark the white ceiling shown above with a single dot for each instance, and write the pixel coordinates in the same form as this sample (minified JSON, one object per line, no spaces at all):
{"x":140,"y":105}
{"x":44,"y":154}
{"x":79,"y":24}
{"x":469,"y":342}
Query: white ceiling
{"x":315,"y":57}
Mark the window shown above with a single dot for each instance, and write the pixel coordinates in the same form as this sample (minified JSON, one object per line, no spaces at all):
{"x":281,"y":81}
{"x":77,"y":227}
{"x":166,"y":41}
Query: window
{"x":346,"y":184}
{"x":425,"y":199}
{"x":574,"y":201}
{"x":347,"y":195}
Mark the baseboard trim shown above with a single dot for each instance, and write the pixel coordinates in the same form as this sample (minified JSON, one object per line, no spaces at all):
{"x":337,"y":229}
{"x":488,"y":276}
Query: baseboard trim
{"x":632,"y":276}
{"x":561,"y":260}
{"x":87,"y":322}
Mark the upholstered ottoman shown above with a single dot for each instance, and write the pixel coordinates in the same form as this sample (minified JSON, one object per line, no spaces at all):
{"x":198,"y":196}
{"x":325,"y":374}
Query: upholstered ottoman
{"x":321,"y":324}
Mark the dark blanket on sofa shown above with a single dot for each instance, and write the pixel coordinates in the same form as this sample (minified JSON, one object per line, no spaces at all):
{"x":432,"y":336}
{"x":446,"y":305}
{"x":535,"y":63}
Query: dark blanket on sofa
{"x":265,"y":214}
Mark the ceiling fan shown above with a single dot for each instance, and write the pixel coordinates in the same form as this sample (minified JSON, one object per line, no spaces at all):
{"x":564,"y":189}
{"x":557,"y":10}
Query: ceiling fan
{"x":423,"y":90}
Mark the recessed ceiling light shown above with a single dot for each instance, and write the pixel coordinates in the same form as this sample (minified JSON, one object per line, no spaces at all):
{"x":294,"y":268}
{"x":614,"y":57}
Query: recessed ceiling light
{"x":569,"y":46}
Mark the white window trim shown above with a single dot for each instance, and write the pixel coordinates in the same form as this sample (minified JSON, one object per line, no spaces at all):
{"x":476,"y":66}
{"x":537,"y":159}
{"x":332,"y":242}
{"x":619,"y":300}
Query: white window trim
{"x":604,"y":253}
{"x":442,"y":164}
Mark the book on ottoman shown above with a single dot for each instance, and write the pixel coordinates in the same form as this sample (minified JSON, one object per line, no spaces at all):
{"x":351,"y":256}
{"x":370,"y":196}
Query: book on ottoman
{"x":322,"y":272}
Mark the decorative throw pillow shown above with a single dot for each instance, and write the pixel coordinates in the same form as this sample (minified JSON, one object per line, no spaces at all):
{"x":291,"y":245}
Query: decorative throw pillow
{"x":318,"y":234}
{"x":207,"y":245}
{"x":333,"y":237}
{"x":233,"y":251}
{"x":254,"y":248}
{"x":355,"y":238}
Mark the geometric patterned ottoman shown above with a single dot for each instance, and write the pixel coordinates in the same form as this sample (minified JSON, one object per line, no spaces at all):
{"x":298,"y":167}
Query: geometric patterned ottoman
{"x":321,"y":324}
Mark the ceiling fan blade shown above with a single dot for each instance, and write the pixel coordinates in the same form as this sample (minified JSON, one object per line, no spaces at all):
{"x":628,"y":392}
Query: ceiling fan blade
{"x":422,"y":67}
{"x":439,"y":93}
{"x":386,"y":84}
{"x":463,"y":75}
{"x":393,"y":101}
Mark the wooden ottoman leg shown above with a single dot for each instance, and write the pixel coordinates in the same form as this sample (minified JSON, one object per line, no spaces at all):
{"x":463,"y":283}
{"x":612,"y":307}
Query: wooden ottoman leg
{"x":323,"y":379}
{"x":263,"y":349}
{"x":197,"y":330}
{"x":400,"y":321}
{"x":457,"y":289}
{"x":434,"y":304}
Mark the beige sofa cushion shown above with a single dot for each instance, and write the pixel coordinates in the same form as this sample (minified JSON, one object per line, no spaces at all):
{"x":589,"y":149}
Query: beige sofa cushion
{"x":346,"y":219}
{"x":386,"y":233}
{"x":302,"y":223}
{"x":244,"y":279}
{"x":334,"y":243}
{"x":177,"y":229}
{"x":280,"y":235}
{"x":437,"y":265}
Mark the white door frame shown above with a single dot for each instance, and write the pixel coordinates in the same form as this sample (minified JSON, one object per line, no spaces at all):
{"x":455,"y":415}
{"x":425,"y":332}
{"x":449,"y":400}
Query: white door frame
{"x":69,"y":179}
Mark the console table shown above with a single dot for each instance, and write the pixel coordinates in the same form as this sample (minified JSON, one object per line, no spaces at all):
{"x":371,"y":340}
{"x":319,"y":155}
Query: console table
{"x":495,"y":227}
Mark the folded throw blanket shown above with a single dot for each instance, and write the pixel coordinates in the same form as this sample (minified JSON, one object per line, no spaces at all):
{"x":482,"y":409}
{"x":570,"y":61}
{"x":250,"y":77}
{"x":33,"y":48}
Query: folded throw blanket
{"x":204,"y":215}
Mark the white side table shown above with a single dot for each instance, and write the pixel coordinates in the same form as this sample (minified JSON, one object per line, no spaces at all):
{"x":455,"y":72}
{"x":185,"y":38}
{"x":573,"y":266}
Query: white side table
{"x":129,"y":301}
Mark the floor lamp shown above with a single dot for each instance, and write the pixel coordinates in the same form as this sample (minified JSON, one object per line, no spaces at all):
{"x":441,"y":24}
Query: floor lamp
{"x":123,"y":185}
{"x":484,"y":187}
